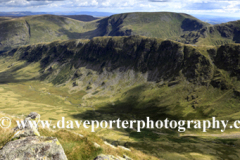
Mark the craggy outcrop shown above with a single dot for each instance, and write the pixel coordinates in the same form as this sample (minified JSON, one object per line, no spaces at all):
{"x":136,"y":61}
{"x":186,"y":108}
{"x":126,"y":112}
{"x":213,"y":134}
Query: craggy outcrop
{"x":154,"y":60}
{"x":28,"y":144}
{"x":219,"y":34}
{"x":160,"y":60}
{"x":228,"y":58}
{"x":27,"y":130}
{"x":33,"y":147}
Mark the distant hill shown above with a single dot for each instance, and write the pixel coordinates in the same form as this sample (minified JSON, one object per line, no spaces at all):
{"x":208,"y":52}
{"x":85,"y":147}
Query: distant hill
{"x":20,"y":14}
{"x":48,"y":28}
{"x":5,"y":18}
{"x":77,"y":16}
{"x":85,"y":18}
{"x":94,"y":14}
{"x":42,"y":28}
{"x":166,"y":25}
{"x":159,"y":24}
{"x":28,"y":13}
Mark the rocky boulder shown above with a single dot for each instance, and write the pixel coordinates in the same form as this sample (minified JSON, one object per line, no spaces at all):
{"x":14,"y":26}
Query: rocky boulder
{"x":111,"y":157}
{"x":34,"y":147}
{"x":27,"y":144}
{"x":106,"y":157}
{"x":29,"y":129}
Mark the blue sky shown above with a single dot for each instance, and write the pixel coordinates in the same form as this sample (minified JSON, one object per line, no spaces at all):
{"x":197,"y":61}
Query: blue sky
{"x":227,"y":8}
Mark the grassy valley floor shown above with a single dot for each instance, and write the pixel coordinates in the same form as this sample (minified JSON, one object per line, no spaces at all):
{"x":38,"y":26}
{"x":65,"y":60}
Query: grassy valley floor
{"x":19,"y":99}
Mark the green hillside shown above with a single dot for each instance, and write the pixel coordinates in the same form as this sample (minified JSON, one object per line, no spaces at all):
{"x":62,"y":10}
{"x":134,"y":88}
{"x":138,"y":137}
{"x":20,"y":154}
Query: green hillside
{"x":166,"y":25}
{"x":128,"y":66}
{"x":129,"y":78}
{"x":150,"y":24}
{"x":49,"y":28}
{"x":43,"y":28}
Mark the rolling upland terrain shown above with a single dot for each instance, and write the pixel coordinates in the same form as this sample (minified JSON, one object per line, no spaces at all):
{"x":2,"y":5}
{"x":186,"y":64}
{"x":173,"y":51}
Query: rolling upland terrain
{"x":48,"y":28}
{"x":128,"y":66}
{"x":131,"y":78}
{"x":173,"y":26}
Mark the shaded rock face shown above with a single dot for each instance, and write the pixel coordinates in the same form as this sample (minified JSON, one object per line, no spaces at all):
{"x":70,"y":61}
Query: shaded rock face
{"x":191,"y":25}
{"x":33,"y":147}
{"x":197,"y":67}
{"x":155,"y":59}
{"x":27,"y":144}
{"x":228,"y":58}
{"x":148,"y":59}
{"x":160,"y":59}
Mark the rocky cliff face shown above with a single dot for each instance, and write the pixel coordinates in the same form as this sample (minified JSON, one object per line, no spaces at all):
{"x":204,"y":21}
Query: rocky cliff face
{"x":228,"y":58}
{"x":157,"y":59}
{"x":108,"y":61}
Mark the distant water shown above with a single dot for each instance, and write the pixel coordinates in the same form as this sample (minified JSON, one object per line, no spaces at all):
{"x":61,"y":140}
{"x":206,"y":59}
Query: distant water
{"x":215,"y":19}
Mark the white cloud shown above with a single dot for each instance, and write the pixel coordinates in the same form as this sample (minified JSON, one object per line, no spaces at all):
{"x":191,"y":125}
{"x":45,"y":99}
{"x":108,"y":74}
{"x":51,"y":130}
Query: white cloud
{"x":25,"y":3}
{"x":115,"y":6}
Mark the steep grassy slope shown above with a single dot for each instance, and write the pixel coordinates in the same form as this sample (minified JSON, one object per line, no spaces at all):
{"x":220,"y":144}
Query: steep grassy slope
{"x":214,"y":35}
{"x":43,"y":28}
{"x":129,"y":78}
{"x":13,"y":33}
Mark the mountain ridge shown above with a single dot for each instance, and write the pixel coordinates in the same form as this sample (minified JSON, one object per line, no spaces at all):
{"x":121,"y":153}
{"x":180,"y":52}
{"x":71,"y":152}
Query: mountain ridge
{"x":166,"y":25}
{"x":47,"y":28}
